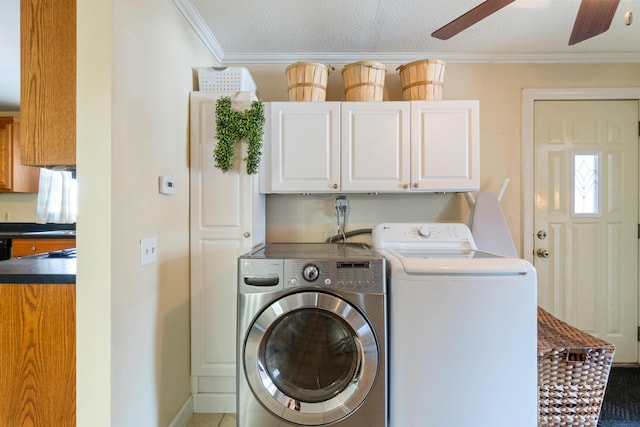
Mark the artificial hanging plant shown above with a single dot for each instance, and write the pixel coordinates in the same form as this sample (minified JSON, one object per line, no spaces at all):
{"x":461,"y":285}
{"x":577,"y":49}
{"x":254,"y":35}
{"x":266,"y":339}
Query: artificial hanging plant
{"x":234,"y":126}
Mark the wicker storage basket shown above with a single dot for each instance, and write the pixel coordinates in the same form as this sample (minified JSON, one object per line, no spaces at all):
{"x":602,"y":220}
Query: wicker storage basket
{"x":308,"y":81}
{"x":364,"y":81}
{"x":422,"y":80}
{"x":573,"y":370}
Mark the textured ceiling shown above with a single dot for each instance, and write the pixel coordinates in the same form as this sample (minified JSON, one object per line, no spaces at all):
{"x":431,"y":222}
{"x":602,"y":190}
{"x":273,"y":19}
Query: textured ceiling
{"x":287,"y":30}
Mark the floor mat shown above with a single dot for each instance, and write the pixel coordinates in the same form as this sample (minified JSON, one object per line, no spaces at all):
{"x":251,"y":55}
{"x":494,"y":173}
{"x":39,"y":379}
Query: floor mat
{"x":621,"y":404}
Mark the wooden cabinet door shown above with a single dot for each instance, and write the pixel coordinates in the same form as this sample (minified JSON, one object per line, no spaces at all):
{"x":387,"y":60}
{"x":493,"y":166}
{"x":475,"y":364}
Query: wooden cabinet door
{"x":38,"y":357}
{"x":14,"y":177}
{"x":445,"y":145}
{"x":23,"y":247}
{"x":48,"y":81}
{"x":375,"y":146}
{"x":305,"y":147}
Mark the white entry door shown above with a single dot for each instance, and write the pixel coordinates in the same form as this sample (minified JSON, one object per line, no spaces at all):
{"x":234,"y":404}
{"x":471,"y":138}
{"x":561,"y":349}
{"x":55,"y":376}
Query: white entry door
{"x":586,"y":217}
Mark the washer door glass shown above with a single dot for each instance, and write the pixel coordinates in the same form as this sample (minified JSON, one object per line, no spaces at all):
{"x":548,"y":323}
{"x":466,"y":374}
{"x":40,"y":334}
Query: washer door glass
{"x":311,"y":358}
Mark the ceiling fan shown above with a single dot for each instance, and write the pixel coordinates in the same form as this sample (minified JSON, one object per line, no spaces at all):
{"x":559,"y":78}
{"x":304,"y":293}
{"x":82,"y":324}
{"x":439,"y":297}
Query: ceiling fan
{"x":594,"y":17}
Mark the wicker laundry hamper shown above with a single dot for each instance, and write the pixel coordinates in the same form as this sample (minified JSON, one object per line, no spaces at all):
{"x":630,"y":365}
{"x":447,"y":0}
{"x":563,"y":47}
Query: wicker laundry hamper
{"x":573,"y":370}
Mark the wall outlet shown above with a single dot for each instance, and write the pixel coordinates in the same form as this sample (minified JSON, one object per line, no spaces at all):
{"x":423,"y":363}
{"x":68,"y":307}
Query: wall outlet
{"x":342,"y":205}
{"x":148,"y":250}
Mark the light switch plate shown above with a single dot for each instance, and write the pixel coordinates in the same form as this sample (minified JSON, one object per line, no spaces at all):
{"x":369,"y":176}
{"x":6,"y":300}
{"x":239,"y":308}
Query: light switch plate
{"x":148,"y":250}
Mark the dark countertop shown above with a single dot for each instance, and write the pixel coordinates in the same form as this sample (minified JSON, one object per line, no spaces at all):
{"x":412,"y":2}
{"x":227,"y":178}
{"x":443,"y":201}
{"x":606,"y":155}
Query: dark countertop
{"x":42,"y":270}
{"x":29,"y":230}
{"x":52,"y":234}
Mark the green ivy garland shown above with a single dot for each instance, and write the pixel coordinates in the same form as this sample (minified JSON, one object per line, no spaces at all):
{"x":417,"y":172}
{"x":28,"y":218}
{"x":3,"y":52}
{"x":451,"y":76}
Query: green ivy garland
{"x":233,"y":126}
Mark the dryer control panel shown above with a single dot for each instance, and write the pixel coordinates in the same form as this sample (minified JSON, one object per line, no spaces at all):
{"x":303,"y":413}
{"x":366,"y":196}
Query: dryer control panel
{"x":357,"y":275}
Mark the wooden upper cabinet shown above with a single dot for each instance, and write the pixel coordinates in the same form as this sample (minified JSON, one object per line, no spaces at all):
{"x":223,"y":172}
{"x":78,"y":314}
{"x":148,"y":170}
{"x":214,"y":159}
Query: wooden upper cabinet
{"x":48,"y":82}
{"x":14,"y":177}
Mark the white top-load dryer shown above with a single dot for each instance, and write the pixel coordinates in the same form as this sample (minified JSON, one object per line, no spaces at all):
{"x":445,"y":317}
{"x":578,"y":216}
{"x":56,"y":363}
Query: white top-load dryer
{"x":462,"y":330}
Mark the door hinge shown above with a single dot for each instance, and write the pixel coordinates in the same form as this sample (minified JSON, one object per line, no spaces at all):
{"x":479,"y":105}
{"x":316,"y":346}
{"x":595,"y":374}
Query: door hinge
{"x":638,"y":333}
{"x":638,"y":231}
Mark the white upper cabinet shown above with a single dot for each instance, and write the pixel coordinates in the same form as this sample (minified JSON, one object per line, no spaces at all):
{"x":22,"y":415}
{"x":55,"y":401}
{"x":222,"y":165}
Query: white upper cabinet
{"x":305,"y":146}
{"x":375,"y":146}
{"x":372,"y":147}
{"x":445,"y":145}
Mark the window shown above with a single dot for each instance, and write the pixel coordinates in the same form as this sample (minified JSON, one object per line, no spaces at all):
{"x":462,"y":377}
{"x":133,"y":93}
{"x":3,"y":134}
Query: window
{"x":585,"y":184}
{"x":57,"y":197}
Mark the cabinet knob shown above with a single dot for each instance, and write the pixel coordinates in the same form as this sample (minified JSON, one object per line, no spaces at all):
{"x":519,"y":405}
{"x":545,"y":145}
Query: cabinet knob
{"x":335,"y":186}
{"x":33,"y":248}
{"x":405,"y":186}
{"x":415,"y":185}
{"x":247,"y":234}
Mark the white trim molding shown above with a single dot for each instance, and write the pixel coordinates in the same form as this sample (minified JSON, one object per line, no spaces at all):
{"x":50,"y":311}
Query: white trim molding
{"x":184,"y":415}
{"x":529,"y":96}
{"x":194,"y":19}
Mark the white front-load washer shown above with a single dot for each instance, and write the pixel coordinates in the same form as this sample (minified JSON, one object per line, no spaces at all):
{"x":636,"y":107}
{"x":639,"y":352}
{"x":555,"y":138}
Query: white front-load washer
{"x":462,"y":330}
{"x":312,"y":336}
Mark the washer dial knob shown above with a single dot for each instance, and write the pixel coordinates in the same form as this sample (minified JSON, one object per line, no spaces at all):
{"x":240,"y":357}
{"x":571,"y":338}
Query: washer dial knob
{"x":310,"y":272}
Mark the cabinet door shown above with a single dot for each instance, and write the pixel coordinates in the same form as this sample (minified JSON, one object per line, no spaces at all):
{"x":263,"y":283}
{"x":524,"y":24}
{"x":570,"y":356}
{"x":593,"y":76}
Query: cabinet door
{"x":227,"y":220}
{"x":445,"y":145}
{"x":24,"y":247}
{"x":48,"y":82}
{"x":375,"y":146}
{"x":14,"y":177}
{"x":305,"y":147}
{"x":38,"y":357}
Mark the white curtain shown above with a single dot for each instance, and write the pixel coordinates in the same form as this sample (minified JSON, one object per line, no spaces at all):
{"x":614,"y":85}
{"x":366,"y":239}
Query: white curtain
{"x":57,"y":198}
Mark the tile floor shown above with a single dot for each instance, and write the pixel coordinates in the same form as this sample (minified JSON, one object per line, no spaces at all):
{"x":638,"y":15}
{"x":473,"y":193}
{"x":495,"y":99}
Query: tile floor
{"x":212,"y":420}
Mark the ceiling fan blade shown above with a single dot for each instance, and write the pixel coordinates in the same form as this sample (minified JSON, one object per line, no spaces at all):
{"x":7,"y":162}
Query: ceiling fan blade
{"x":473,"y":16}
{"x":594,"y":17}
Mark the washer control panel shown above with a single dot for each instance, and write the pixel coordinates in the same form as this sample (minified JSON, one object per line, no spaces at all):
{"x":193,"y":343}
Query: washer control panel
{"x":357,"y":275}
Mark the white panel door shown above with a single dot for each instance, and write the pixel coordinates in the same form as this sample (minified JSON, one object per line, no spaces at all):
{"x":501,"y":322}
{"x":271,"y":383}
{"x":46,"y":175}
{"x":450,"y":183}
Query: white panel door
{"x":227,"y":219}
{"x":586,"y":217}
{"x":445,"y":145}
{"x":305,"y":147}
{"x":375,"y":146}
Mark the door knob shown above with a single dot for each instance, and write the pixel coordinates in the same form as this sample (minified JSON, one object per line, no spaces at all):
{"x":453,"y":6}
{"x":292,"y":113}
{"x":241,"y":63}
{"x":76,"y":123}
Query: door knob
{"x":541,"y":234}
{"x":543,"y":253}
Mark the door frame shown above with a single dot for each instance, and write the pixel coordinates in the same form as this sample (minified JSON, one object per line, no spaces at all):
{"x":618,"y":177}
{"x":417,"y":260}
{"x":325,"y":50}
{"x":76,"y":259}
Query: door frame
{"x":529,"y":96}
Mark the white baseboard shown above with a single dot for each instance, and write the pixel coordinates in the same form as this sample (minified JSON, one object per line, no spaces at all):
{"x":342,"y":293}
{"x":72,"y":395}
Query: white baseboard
{"x":214,"y":403}
{"x":184,"y":415}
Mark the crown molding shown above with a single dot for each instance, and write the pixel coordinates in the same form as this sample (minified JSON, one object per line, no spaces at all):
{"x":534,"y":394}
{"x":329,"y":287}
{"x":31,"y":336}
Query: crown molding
{"x":201,"y":29}
{"x":452,"y":58}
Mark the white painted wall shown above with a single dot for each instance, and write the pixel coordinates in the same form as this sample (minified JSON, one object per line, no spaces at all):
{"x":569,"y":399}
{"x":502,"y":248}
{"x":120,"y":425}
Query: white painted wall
{"x":134,"y":79}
